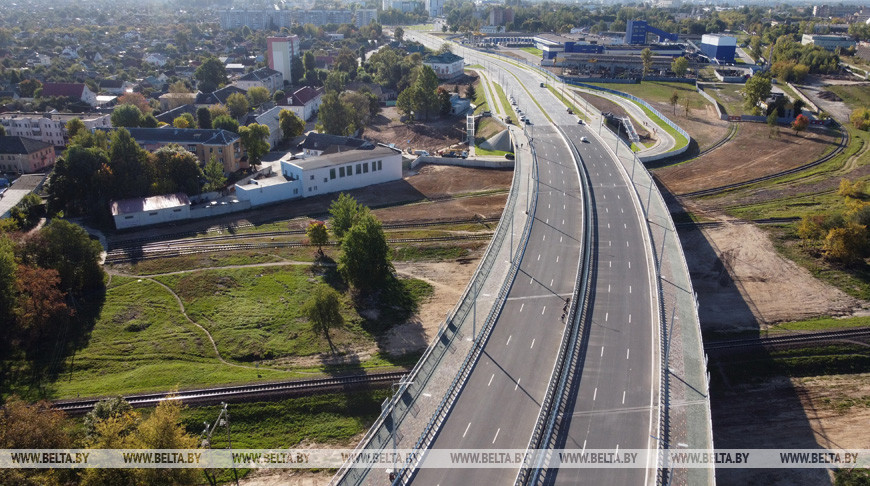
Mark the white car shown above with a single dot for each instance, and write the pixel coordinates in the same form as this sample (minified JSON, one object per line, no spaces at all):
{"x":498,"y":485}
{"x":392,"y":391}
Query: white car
{"x":584,"y":139}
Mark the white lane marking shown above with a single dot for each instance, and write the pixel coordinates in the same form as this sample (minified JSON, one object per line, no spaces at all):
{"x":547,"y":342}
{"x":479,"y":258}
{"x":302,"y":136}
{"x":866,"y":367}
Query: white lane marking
{"x":621,"y":210}
{"x":545,"y":238}
{"x":629,"y":264}
{"x":496,"y":435}
{"x":563,"y":206}
{"x":602,"y":351}
{"x":623,"y":397}
{"x":518,"y":384}
{"x":560,"y":239}
{"x":539,"y":257}
{"x":531,"y":280}
{"x":521,"y":306}
{"x":595,"y":394}
{"x":604,"y":196}
{"x":626,"y":243}
{"x":629,"y":289}
{"x":563,"y":222}
{"x":608,"y":225}
{"x":542,"y":310}
{"x":610,"y":264}
{"x":509,"y":340}
{"x":533,"y":344}
{"x":551,"y":281}
{"x":624,"y":225}
{"x":490,"y":379}
{"x":608,"y":287}
{"x":606,"y":210}
{"x":466,"y":429}
{"x":557,"y":258}
{"x":617,"y":197}
{"x":547,"y":221}
{"x":629,"y":318}
{"x":627,"y":352}
{"x":548,"y":205}
{"x":606,"y":315}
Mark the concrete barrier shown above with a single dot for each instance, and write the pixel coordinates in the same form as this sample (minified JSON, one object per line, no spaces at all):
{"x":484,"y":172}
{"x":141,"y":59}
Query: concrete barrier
{"x":472,"y":162}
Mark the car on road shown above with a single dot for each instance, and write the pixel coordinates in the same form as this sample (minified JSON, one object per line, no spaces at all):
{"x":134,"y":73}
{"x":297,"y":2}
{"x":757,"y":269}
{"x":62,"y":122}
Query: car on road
{"x":579,"y":121}
{"x":509,"y":156}
{"x":543,"y":85}
{"x":584,"y":139}
{"x":528,"y":122}
{"x":570,"y":111}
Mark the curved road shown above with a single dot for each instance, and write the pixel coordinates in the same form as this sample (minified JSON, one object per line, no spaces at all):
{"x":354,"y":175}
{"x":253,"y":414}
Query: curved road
{"x":614,"y":405}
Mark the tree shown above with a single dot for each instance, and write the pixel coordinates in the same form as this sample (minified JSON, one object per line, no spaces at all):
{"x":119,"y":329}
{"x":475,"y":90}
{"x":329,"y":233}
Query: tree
{"x":37,"y":426}
{"x":860,"y":118}
{"x":40,"y":309}
{"x":399,"y":33}
{"x":323,"y":310}
{"x":444,"y":49}
{"x":757,"y":88}
{"x":214,"y":175}
{"x":279,"y":96}
{"x":773,"y":125}
{"x":225,"y":122}
{"x":798,"y":106}
{"x":851,"y":189}
{"x":148,"y":121}
{"x":444,"y":101}
{"x":238,"y":105}
{"x":163,"y":429}
{"x":218,"y":110}
{"x":679,"y":66}
{"x":28,"y":211}
{"x":127,"y":116}
{"x":675,"y":98}
{"x":346,"y":62}
{"x":406,"y":102}
{"x":345,"y":211}
{"x":254,"y":138}
{"x":8,"y":268}
{"x":175,"y":170}
{"x":182,"y":122}
{"x":211,"y":74}
{"x":136,"y":99}
{"x":800,"y":124}
{"x":308,"y":61}
{"x":258,"y":95}
{"x":297,"y":70}
{"x":646,"y":57}
{"x":365,"y":256}
{"x":470,"y":92}
{"x":755,"y":47}
{"x":291,"y":125}
{"x":67,"y":248}
{"x":317,"y":234}
{"x":334,"y":116}
{"x":72,"y":185}
{"x":28,"y":87}
{"x":846,"y":244}
{"x":203,"y":117}
{"x":335,"y":81}
{"x":129,"y":170}
{"x":75,"y":126}
{"x":103,"y":410}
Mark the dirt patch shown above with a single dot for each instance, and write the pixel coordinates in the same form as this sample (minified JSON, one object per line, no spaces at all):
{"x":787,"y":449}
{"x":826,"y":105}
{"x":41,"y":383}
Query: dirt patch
{"x":744,"y":283}
{"x":748,"y":155}
{"x":431,"y":135}
{"x":702,"y":124}
{"x":448,"y":280}
{"x":792,"y":414}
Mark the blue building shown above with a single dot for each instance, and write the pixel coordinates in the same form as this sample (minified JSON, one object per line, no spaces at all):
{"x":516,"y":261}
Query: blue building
{"x":720,"y":48}
{"x":636,"y":31}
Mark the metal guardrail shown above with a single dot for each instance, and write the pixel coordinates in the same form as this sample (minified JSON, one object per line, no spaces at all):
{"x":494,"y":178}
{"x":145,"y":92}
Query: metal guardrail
{"x":558,"y":385}
{"x":459,"y":380}
{"x":414,"y":383}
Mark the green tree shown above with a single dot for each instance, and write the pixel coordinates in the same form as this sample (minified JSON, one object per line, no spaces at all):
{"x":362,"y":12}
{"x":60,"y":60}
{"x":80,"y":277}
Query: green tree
{"x":773,"y":125}
{"x":345,"y":211}
{"x":757,"y":88}
{"x":860,"y":118}
{"x":675,"y":98}
{"x":28,"y":211}
{"x":335,"y":81}
{"x":203,"y":117}
{"x":129,"y":166}
{"x":323,"y":310}
{"x":470,"y":92}
{"x":103,"y":410}
{"x":182,"y":121}
{"x":291,"y":125}
{"x":279,"y":96}
{"x":680,"y":66}
{"x":365,"y":258}
{"x":308,"y":61}
{"x":406,"y":102}
{"x":346,"y":62}
{"x":7,"y":286}
{"x":67,"y":248}
{"x":755,"y":47}
{"x":399,"y":33}
{"x":254,"y":138}
{"x":317,"y":234}
{"x":127,"y":116}
{"x":297,"y":70}
{"x":225,"y":122}
{"x":175,"y":170}
{"x":258,"y":95}
{"x":163,"y":429}
{"x":214,"y":175}
{"x":148,"y":121}
{"x":211,"y":74}
{"x":72,"y":185}
{"x":28,"y":88}
{"x":238,"y":105}
{"x":334,"y":116}
{"x":646,"y":57}
{"x":75,"y":126}
{"x":218,"y":110}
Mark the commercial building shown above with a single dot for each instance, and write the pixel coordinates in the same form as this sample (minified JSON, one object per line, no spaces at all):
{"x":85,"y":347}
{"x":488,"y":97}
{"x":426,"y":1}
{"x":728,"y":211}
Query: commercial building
{"x":224,"y":146}
{"x":281,"y":51}
{"x":829,"y":42}
{"x":324,"y":174}
{"x":256,"y":19}
{"x":446,"y":66}
{"x":144,"y":211}
{"x":636,"y":32}
{"x":49,"y":127}
{"x":719,"y":47}
{"x":25,"y":155}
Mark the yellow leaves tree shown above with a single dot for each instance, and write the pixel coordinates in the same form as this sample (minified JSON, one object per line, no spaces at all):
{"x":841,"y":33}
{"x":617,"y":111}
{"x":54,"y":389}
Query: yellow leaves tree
{"x":846,"y":244}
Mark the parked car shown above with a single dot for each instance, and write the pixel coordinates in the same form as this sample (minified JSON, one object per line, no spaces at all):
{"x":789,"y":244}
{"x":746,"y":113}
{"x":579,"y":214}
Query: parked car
{"x":487,"y":113}
{"x":464,"y":154}
{"x":528,"y":122}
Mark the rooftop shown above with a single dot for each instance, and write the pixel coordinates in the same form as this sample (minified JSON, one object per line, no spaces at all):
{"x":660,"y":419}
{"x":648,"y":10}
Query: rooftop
{"x":153,"y":203}
{"x":21,"y":145}
{"x":446,"y":58}
{"x":183,"y":135}
{"x":342,"y":158}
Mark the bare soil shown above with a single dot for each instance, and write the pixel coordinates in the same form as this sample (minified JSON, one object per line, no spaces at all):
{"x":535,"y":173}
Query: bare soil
{"x":743,"y":283}
{"x":816,"y":412}
{"x":431,"y":135}
{"x":702,"y":124}
{"x":748,"y":155}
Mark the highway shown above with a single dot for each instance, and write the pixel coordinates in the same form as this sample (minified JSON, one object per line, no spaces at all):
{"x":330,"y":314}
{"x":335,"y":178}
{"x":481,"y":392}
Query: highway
{"x":614,"y":405}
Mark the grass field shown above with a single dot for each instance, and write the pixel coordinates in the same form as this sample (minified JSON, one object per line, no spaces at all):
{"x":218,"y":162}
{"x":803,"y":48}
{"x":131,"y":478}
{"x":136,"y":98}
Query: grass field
{"x":659,"y":92}
{"x":853,"y":95}
{"x":503,"y":99}
{"x":533,"y":50}
{"x":729,"y":96}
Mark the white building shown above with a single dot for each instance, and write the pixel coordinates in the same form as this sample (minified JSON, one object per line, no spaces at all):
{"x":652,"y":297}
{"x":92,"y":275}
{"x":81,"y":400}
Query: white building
{"x":129,"y":213}
{"x":268,"y":78}
{"x":324,"y":174}
{"x":404,"y":6}
{"x":49,"y":127}
{"x":446,"y":66}
{"x":829,"y":42}
{"x":271,"y":119}
{"x":281,"y":51}
{"x":304,"y":102}
{"x":435,"y":8}
{"x":157,"y":59}
{"x":365,"y":16}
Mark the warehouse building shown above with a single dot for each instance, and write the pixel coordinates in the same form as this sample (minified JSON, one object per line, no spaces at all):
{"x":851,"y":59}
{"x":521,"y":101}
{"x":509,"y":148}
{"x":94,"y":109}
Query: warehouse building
{"x":143,"y":211}
{"x":719,"y":47}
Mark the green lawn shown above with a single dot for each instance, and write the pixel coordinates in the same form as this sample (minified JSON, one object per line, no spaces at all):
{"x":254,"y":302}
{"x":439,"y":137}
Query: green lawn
{"x":508,"y":109}
{"x":533,"y":50}
{"x":728,"y":95}
{"x":658,"y":92}
{"x":680,"y":141}
{"x":853,"y":95}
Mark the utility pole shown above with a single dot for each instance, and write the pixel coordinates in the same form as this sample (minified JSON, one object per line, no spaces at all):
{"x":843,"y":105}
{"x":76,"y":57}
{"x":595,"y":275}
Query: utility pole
{"x":223,"y":420}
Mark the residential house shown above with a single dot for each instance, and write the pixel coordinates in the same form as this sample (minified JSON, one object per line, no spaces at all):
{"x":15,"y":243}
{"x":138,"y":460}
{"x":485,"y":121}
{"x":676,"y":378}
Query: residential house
{"x":116,"y":86}
{"x":169,"y":101}
{"x":265,"y":77}
{"x":49,"y":127}
{"x":446,"y":66}
{"x":70,"y":53}
{"x":169,"y":116}
{"x":268,"y":115}
{"x":70,"y":90}
{"x":316,"y":144}
{"x":25,"y":155}
{"x":224,"y":146}
{"x":156,"y":59}
{"x":304,"y":102}
{"x":217,"y":97}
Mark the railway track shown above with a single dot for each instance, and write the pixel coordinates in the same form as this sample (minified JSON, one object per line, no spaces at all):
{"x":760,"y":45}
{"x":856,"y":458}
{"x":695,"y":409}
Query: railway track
{"x":185,"y":237}
{"x":164,"y":250}
{"x":710,"y":224}
{"x":844,"y":142}
{"x":791,"y":339}
{"x":212,"y":395}
{"x":732,"y":130}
